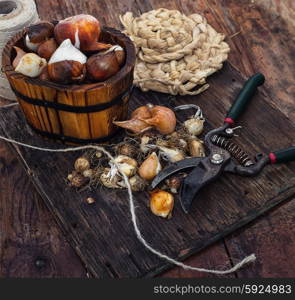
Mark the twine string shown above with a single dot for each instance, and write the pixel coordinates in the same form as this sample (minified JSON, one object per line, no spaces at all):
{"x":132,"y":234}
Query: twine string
{"x":246,"y":260}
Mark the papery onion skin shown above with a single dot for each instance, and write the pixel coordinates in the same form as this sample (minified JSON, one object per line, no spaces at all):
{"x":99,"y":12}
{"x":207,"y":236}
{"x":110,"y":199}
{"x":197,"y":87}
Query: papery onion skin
{"x":150,"y":167}
{"x":19,"y":54}
{"x":40,"y":32}
{"x":31,"y":65}
{"x":66,"y":72}
{"x":47,"y":48}
{"x":163,"y":119}
{"x":101,"y":67}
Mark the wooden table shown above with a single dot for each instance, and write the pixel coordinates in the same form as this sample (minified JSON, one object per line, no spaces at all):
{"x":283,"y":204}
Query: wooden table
{"x":261,"y":34}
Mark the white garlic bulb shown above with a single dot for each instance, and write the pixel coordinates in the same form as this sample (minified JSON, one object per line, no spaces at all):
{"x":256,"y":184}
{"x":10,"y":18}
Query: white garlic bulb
{"x":194,"y":126}
{"x":31,"y":65}
{"x":66,"y":51}
{"x":126,"y":165}
{"x":171,"y":154}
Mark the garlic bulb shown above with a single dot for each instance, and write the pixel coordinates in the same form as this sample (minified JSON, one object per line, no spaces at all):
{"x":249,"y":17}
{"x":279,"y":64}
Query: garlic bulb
{"x":19,"y":54}
{"x":150,"y":167}
{"x":161,"y":203}
{"x":66,"y":51}
{"x":194,"y":126}
{"x":171,"y":154}
{"x":126,"y":164}
{"x":31,"y":65}
{"x":196,"y":148}
{"x":82,"y":164}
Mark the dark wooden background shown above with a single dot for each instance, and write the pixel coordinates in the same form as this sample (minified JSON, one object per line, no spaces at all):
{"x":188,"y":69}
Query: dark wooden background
{"x":31,"y":244}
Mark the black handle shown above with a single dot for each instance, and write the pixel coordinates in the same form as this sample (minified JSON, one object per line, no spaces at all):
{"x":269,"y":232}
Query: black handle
{"x":283,"y":156}
{"x":244,"y":97}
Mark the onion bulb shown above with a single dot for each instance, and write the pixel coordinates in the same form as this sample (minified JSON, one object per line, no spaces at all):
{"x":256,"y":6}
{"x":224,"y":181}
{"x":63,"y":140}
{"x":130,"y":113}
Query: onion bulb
{"x":31,"y":65}
{"x":161,"y":203}
{"x":83,"y":31}
{"x":102,"y":66}
{"x":150,"y":167}
{"x":149,"y":116}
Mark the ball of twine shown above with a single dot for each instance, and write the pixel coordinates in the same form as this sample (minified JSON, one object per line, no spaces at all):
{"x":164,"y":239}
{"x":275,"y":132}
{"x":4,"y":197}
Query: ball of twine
{"x":175,"y":52}
{"x":14,"y":16}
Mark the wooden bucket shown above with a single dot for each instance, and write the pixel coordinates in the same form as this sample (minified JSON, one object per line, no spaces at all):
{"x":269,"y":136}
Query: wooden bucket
{"x":79,"y":113}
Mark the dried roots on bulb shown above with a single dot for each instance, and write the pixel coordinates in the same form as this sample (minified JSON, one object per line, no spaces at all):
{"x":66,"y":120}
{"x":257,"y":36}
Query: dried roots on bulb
{"x":127,"y":150}
{"x":82,"y":164}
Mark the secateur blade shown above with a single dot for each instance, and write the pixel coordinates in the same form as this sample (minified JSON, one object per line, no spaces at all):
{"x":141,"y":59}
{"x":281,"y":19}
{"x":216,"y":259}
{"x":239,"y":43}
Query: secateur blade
{"x":174,"y":168}
{"x":206,"y":172}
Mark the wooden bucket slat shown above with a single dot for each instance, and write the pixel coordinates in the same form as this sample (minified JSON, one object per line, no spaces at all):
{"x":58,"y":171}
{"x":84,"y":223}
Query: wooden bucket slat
{"x":91,"y":125}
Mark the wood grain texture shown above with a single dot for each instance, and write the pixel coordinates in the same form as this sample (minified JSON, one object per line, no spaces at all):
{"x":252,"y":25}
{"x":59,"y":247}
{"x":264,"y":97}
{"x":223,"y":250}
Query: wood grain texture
{"x":90,"y":228}
{"x":85,"y":126}
{"x":31,"y":243}
{"x":250,"y":51}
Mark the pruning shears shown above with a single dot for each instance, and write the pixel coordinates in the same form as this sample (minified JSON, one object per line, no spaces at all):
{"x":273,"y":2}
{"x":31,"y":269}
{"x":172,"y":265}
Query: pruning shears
{"x":221,"y":152}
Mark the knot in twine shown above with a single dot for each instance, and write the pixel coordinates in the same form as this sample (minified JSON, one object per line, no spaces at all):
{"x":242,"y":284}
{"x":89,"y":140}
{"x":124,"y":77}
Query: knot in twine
{"x":175,"y":52}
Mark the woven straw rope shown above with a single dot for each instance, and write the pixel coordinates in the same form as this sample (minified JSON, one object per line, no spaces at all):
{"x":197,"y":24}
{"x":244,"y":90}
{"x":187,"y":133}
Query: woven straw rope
{"x":175,"y":53}
{"x":24,"y":14}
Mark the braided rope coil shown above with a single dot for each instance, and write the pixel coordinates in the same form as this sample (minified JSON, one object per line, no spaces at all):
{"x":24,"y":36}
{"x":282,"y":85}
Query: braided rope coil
{"x":175,"y":53}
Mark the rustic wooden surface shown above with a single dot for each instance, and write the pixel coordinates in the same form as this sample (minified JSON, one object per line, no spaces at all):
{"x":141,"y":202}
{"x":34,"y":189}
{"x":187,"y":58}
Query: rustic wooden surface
{"x":265,"y":43}
{"x":96,"y":231}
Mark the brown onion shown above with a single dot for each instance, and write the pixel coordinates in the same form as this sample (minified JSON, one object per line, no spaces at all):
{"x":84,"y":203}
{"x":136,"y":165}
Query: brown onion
{"x":47,"y":48}
{"x":83,"y":31}
{"x":40,"y":32}
{"x":67,"y":71}
{"x":102,"y":66}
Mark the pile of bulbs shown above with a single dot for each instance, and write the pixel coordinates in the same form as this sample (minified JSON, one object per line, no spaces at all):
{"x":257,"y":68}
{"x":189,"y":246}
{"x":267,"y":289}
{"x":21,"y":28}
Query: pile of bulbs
{"x":154,"y":141}
{"x":68,"y":52}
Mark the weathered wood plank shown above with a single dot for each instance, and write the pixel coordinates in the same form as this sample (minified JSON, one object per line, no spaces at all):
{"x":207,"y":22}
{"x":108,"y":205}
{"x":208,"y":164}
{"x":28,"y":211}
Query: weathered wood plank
{"x":31,"y":243}
{"x":271,"y":237}
{"x":238,"y":200}
{"x":251,"y":57}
